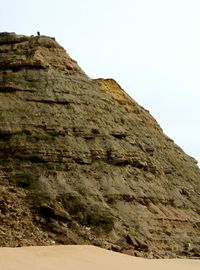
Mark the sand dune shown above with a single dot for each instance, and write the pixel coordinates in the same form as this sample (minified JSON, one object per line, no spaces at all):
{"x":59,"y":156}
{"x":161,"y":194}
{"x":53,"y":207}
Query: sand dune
{"x":83,"y":258}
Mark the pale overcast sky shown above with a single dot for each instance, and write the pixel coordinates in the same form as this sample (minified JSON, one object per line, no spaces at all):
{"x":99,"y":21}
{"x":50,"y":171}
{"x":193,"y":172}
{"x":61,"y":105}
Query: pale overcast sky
{"x":151,"y":47}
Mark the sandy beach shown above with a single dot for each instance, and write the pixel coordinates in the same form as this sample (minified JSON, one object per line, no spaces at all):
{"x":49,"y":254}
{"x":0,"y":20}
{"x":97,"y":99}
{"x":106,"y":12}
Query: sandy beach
{"x":83,"y":258}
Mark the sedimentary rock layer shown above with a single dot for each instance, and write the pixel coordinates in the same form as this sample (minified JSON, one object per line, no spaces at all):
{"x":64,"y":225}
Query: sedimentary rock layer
{"x":82,"y":162}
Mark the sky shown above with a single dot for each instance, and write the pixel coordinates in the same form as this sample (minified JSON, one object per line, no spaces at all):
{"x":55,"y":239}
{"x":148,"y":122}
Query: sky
{"x":150,"y":47}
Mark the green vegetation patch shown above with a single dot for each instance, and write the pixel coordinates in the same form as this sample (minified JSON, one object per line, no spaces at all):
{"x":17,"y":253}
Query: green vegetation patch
{"x":104,"y":220}
{"x":24,"y":180}
{"x":38,"y":197}
{"x":86,"y":215}
{"x":41,"y":137}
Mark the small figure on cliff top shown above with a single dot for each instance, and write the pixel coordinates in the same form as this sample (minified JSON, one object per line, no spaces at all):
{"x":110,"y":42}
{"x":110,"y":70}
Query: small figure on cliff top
{"x":38,"y":33}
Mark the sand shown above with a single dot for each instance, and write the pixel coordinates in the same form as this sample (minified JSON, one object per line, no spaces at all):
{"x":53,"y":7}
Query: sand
{"x":83,"y":258}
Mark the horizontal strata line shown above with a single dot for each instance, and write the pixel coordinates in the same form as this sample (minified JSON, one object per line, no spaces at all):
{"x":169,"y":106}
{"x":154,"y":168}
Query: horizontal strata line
{"x":20,"y":67}
{"x":7,"y":89}
{"x":11,"y":89}
{"x":48,"y":101}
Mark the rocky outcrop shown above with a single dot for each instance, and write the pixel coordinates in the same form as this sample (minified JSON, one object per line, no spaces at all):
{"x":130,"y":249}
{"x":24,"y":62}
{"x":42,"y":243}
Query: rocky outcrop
{"x":82,"y":162}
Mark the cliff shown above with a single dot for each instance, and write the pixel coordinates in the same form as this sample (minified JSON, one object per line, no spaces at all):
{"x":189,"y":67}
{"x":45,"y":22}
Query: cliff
{"x":82,"y":163}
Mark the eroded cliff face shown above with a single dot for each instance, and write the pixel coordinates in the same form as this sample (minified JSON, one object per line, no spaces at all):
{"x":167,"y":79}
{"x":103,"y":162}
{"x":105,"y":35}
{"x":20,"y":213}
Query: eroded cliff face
{"x":82,"y":162}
